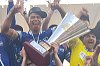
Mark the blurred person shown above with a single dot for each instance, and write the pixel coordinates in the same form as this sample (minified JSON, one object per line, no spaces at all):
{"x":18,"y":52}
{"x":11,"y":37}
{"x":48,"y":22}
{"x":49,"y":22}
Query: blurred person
{"x":53,"y":27}
{"x":4,"y":59}
{"x":23,"y":54}
{"x":89,"y":40}
{"x":15,"y":36}
{"x":93,"y":60}
{"x":14,"y":46}
{"x":55,"y":48}
{"x":82,"y":52}
{"x":81,"y":49}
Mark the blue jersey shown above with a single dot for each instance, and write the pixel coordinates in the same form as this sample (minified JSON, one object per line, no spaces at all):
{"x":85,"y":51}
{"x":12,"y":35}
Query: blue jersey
{"x":4,"y":60}
{"x":14,"y":46}
{"x":43,"y":36}
{"x":62,"y":54}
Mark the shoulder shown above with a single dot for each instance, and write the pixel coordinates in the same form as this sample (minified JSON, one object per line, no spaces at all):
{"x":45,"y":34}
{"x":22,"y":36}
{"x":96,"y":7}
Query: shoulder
{"x":76,"y":43}
{"x":47,"y":32}
{"x":24,"y":36}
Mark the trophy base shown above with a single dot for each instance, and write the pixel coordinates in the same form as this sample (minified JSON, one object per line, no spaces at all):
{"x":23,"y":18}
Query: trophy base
{"x":35,"y":56}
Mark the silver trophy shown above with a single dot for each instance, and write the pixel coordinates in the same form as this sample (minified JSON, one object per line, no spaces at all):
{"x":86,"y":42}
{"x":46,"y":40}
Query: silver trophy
{"x":69,"y":28}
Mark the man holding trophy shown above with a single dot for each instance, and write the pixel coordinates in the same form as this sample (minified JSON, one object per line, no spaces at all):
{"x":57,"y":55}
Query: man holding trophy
{"x":40,"y":52}
{"x":40,"y":36}
{"x":35,"y":17}
{"x":69,"y":22}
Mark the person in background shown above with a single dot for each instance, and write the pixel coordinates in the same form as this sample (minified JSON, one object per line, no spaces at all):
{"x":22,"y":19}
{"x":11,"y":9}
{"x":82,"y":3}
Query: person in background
{"x":89,"y":40}
{"x":87,"y":56}
{"x":4,"y":59}
{"x":53,"y":27}
{"x":15,"y":36}
{"x":24,"y":55}
{"x":14,"y":53}
{"x":81,"y":49}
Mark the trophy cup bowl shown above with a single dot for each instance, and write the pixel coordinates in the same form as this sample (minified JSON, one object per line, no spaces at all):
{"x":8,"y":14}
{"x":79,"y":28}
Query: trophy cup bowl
{"x":69,"y":28}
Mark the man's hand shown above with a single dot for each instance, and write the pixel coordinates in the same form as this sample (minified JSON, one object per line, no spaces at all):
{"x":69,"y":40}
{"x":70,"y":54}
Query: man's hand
{"x":88,"y":61}
{"x":83,"y":14}
{"x":22,"y":6}
{"x":23,"y":53}
{"x":51,"y":6}
{"x":18,"y":6}
{"x":93,"y":60}
{"x":98,"y":49}
{"x":56,"y":1}
{"x":55,"y":5}
{"x":55,"y":47}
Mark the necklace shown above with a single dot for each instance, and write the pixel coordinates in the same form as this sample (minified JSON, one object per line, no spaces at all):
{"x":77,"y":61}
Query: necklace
{"x":35,"y":38}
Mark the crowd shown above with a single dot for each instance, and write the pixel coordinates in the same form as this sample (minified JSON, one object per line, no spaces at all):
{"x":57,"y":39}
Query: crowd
{"x":81,"y":51}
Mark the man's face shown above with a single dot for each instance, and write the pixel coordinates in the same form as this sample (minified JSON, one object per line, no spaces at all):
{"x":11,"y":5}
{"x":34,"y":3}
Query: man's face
{"x":34,"y":22}
{"x":89,"y":41}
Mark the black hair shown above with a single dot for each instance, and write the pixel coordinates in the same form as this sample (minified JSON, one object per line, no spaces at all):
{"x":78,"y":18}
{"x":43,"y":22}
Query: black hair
{"x":18,"y":27}
{"x":91,"y":32}
{"x":54,"y":25}
{"x":85,"y":18}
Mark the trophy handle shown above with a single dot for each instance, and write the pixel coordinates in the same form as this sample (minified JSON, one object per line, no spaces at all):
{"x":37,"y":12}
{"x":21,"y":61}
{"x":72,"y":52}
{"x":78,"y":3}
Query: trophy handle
{"x":45,"y":45}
